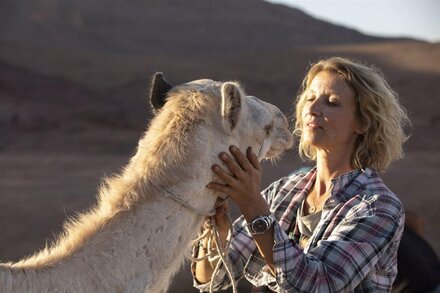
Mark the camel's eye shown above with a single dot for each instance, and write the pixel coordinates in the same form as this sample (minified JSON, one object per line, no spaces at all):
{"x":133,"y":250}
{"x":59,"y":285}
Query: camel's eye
{"x":268,"y":128}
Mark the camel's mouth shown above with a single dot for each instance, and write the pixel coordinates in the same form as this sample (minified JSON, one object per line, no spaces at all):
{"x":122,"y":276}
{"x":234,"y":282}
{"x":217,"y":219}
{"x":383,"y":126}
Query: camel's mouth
{"x":277,"y":149}
{"x":274,"y":153}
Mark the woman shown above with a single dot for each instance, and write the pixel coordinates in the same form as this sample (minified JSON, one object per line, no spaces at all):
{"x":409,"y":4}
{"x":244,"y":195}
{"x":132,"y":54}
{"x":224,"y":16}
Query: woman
{"x":336,"y":227}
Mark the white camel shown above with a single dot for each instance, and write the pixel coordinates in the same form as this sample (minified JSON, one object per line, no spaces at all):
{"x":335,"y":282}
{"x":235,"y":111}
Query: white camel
{"x":135,"y":238}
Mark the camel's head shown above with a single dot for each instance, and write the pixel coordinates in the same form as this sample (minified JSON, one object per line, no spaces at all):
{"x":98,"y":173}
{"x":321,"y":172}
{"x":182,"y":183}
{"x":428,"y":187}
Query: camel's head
{"x":231,"y":116}
{"x":250,"y":121}
{"x":193,"y":123}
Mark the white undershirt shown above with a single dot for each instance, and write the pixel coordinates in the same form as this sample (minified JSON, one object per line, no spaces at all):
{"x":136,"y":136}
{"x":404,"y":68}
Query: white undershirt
{"x":307,"y":224}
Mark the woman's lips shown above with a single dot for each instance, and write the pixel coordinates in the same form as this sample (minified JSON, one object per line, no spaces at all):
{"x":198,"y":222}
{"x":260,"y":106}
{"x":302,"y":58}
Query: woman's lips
{"x":313,"y":125}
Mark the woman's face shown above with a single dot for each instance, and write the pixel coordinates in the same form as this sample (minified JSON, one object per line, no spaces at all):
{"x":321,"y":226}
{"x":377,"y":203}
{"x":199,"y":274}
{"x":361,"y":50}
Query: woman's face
{"x":329,"y":115}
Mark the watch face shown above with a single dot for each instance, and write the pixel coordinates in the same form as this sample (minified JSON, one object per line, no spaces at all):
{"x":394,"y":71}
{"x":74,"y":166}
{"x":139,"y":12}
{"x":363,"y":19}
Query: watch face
{"x":259,"y":226}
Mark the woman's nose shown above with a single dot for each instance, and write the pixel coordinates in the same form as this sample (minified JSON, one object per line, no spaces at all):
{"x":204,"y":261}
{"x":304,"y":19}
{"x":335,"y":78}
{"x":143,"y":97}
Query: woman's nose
{"x":315,"y":108}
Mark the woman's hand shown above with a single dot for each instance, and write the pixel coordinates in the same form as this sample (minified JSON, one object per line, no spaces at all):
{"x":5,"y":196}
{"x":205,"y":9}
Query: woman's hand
{"x":243,"y":185}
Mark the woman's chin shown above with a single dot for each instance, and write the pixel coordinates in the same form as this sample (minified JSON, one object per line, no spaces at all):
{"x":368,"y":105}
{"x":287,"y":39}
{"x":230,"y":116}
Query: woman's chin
{"x":313,"y":141}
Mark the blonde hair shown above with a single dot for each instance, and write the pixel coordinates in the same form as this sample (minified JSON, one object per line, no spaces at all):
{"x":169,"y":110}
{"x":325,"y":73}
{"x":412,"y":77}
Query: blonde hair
{"x":378,"y":107}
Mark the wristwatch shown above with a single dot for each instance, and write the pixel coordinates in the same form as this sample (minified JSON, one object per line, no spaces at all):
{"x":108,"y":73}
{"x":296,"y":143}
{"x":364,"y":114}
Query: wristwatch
{"x":261,"y":224}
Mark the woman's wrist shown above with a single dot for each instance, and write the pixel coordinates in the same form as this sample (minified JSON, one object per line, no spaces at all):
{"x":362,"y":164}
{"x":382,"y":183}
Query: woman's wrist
{"x":254,"y":209}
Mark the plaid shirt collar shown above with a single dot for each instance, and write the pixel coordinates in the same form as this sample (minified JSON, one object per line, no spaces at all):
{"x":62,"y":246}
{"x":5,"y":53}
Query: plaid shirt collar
{"x":343,"y":188}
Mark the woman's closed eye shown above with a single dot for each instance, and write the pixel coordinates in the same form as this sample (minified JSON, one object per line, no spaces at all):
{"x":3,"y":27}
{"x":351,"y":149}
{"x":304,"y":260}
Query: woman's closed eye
{"x":333,"y":101}
{"x":310,"y":98}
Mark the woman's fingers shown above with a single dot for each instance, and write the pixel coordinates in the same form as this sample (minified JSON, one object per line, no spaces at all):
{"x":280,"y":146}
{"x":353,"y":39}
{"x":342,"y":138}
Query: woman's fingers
{"x":226,"y":189}
{"x":253,"y":159}
{"x":228,"y":179}
{"x":241,"y":158}
{"x":240,"y":163}
{"x":232,"y":165}
{"x":245,"y":169}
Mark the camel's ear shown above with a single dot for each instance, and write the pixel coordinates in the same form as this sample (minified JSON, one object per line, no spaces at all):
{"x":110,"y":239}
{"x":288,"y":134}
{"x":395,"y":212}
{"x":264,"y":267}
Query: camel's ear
{"x":158,"y":91}
{"x":232,"y":98}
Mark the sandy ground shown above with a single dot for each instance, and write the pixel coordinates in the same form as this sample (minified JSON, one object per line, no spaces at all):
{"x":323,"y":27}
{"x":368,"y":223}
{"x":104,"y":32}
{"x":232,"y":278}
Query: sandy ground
{"x":39,"y":190}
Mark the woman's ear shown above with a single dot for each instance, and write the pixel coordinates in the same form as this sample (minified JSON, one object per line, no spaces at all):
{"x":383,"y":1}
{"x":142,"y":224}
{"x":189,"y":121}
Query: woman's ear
{"x":362,"y":125}
{"x":232,"y":99}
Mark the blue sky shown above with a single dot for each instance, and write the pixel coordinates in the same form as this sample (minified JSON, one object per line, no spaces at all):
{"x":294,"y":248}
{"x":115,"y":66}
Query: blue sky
{"x":411,"y":18}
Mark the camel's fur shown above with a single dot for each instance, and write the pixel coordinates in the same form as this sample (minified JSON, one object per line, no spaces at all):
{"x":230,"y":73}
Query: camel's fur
{"x":134,"y":239}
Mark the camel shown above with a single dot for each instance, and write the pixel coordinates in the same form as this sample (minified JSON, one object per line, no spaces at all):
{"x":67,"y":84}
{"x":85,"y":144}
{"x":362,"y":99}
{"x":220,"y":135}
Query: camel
{"x":135,"y":237}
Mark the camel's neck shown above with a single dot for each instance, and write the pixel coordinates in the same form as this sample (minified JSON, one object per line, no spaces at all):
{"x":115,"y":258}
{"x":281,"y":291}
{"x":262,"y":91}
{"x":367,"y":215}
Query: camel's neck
{"x":136,"y":237}
{"x":184,"y":173}
{"x":141,"y":249}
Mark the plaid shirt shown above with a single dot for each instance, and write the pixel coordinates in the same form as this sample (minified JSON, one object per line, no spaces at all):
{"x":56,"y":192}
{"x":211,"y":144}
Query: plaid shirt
{"x":353,"y":248}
